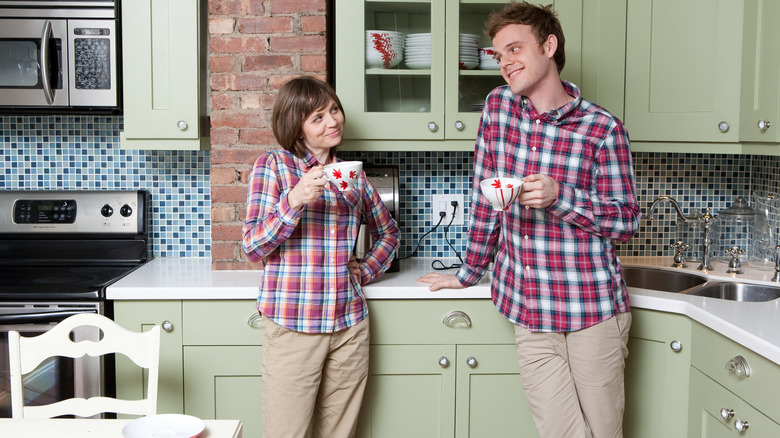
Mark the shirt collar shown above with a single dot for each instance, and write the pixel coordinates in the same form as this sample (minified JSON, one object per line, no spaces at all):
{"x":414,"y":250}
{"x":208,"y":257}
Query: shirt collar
{"x":560,"y":113}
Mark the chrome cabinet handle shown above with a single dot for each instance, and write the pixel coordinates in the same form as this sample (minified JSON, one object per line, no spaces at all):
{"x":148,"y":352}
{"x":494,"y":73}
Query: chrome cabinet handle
{"x":432,"y":126}
{"x":741,"y":425}
{"x":444,"y":362}
{"x":167,"y":326}
{"x":471,"y":362}
{"x":723,"y":126}
{"x":675,"y":345}
{"x":456,"y":319}
{"x":459,"y":125}
{"x":726,"y":413}
{"x":763,"y":125}
{"x":182,"y":125}
{"x":45,"y":36}
{"x":738,"y":366}
{"x":254,"y":320}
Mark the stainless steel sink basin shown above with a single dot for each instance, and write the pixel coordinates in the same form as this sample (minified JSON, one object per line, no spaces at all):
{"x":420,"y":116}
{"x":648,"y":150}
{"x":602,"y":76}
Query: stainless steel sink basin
{"x":661,"y":279}
{"x":737,"y":292}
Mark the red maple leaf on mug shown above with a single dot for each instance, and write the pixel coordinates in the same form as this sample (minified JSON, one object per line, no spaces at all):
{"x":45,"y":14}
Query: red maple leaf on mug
{"x":343,"y":185}
{"x":496,"y":183}
{"x":352,"y":174}
{"x":337,"y":173}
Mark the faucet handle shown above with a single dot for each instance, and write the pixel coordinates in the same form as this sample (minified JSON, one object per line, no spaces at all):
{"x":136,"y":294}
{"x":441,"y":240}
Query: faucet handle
{"x":679,"y":257}
{"x":735,"y":265}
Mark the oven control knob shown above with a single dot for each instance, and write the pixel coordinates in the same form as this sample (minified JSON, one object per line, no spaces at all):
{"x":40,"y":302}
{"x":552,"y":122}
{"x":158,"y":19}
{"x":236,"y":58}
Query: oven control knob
{"x":107,"y":211}
{"x":126,"y":210}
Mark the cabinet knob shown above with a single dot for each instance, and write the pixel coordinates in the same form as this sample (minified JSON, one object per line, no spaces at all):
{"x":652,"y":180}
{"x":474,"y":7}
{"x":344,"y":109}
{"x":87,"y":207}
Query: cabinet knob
{"x":741,"y":425}
{"x":723,"y":126}
{"x":444,"y":362}
{"x":738,"y":366}
{"x":254,"y":320}
{"x":432,"y":126}
{"x":675,"y":345}
{"x":471,"y":361}
{"x":763,"y":125}
{"x":167,"y":326}
{"x":182,"y":125}
{"x":456,"y":319}
{"x":459,"y":125}
{"x":726,"y":413}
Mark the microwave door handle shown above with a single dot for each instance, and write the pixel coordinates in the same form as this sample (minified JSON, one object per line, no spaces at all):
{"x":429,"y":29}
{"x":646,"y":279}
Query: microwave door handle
{"x":40,"y":318}
{"x":45,"y":38}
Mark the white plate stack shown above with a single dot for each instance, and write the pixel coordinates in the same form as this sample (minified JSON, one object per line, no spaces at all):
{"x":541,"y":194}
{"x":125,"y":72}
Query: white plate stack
{"x":468,"y":56}
{"x":384,"y":48}
{"x":418,"y":50}
{"x":486,"y":59}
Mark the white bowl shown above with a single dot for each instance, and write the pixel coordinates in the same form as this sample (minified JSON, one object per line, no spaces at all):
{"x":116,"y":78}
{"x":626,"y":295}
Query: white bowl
{"x":415,"y":64}
{"x":344,"y":174}
{"x":500,"y":191}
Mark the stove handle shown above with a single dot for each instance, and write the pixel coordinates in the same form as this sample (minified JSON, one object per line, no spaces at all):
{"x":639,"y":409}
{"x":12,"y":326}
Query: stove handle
{"x":40,"y":318}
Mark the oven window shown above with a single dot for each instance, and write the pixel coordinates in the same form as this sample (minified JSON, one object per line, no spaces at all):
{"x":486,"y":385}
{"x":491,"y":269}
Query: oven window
{"x":19,"y":63}
{"x":53,"y":380}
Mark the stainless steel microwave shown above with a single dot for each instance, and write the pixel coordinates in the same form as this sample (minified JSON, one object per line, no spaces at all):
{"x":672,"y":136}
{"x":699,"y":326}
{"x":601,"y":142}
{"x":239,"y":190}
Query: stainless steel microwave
{"x":59,"y":56}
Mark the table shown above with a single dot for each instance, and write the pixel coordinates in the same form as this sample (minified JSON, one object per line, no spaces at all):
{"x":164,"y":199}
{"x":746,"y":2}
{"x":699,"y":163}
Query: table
{"x":99,"y":428}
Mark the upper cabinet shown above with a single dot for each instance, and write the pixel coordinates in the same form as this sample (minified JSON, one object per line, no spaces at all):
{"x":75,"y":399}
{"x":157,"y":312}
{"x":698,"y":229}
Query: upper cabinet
{"x":428,"y":94}
{"x":165,"y":75}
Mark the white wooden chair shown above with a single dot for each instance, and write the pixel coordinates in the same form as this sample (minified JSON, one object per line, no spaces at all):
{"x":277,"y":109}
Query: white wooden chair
{"x":27,"y":353}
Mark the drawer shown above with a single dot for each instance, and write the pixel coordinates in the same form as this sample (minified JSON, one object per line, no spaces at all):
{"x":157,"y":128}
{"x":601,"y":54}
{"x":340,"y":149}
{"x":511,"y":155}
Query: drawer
{"x":422,"y":322}
{"x":221,"y":322}
{"x":712,"y":351}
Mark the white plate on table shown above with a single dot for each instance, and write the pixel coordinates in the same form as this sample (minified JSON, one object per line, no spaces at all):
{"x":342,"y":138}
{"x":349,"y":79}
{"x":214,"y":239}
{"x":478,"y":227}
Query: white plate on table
{"x":164,"y":426}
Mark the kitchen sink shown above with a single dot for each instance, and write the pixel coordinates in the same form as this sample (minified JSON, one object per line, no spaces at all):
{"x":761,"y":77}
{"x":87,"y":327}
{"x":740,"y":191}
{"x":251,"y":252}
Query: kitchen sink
{"x":661,"y":279}
{"x":737,"y":292}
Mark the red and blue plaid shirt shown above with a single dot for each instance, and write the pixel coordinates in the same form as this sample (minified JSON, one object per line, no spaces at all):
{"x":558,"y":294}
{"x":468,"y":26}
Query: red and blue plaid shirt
{"x":556,"y":269}
{"x":306,"y":285}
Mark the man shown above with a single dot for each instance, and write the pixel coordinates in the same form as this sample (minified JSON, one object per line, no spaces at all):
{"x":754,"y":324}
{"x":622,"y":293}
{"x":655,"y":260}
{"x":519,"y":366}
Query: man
{"x":556,"y":275}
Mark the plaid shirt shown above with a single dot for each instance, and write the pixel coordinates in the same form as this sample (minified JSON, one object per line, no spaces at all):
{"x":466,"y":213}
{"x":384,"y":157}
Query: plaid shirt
{"x":556,"y":269}
{"x":306,"y":285}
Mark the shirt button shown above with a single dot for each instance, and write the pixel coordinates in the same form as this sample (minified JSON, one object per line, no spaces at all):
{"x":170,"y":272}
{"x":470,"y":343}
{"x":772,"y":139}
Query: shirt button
{"x":332,"y":260}
{"x":332,"y":289}
{"x":525,"y":237}
{"x":527,"y":268}
{"x":527,"y":207}
{"x":538,"y":121}
{"x":332,"y":231}
{"x":533,"y":148}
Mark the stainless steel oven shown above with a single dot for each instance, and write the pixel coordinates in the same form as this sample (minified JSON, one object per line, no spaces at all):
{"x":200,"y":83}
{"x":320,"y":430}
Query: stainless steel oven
{"x":59,"y":250}
{"x":59,"y":56}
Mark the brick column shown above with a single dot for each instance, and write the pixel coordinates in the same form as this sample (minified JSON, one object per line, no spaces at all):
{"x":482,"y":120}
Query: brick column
{"x":255,"y":46}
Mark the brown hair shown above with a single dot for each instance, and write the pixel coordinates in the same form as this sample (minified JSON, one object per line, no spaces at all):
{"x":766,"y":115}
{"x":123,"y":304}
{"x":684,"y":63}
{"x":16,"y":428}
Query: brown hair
{"x":297,"y":100}
{"x":542,"y":19}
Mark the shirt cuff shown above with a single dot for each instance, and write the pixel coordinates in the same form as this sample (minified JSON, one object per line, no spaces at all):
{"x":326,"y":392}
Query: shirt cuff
{"x":287,"y":214}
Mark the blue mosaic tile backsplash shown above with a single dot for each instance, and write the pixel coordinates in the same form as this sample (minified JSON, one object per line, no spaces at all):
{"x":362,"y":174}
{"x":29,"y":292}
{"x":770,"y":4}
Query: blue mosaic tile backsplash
{"x":82,"y":152}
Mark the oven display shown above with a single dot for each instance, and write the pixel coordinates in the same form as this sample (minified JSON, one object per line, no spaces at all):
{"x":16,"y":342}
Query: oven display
{"x":45,"y":211}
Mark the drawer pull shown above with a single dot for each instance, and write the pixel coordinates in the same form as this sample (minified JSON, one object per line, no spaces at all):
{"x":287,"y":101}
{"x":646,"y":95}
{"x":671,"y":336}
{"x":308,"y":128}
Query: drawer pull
{"x":167,"y":326}
{"x":738,"y":366}
{"x":471,"y":362}
{"x":741,"y":425}
{"x":676,"y":346}
{"x":254,"y":321}
{"x":456,"y":319}
{"x":444,"y":362}
{"x":726,"y":413}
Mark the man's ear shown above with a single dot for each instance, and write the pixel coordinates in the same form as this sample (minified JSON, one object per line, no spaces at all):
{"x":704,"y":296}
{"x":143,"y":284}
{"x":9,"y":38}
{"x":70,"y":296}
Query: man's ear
{"x":551,"y":45}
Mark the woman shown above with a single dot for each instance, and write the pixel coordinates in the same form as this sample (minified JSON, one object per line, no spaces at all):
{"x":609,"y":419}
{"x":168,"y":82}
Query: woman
{"x":314,"y":314}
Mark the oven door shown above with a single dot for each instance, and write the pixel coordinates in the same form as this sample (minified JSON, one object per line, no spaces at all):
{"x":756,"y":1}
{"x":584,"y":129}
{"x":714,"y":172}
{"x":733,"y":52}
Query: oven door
{"x":57,"y":378}
{"x":33,"y":53}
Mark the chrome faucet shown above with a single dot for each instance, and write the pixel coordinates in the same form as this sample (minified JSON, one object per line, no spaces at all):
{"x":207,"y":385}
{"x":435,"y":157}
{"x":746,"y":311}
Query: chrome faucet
{"x":707,"y":220}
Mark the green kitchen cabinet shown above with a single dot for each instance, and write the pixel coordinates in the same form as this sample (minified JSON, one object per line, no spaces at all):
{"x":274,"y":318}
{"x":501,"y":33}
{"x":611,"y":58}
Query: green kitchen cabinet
{"x":718,"y":413}
{"x":438,"y":108}
{"x":736,"y":378}
{"x":130,"y":380}
{"x":656,"y":375}
{"x":165,"y":77}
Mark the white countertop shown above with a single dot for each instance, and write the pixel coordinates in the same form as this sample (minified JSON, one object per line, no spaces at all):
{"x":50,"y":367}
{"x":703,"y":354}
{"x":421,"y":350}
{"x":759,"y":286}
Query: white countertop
{"x":754,"y":325}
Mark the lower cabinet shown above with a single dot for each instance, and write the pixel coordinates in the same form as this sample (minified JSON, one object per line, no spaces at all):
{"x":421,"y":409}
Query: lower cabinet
{"x":656,"y":376}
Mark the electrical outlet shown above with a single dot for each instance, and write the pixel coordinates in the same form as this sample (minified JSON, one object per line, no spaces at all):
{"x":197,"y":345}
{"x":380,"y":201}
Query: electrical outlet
{"x":442,"y":203}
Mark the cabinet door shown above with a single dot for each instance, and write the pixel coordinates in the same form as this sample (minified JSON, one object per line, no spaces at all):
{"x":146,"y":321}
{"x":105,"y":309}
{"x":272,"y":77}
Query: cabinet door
{"x":131,"y":381}
{"x":760,"y":72}
{"x":656,"y":376}
{"x":163,"y":94}
{"x":491,"y":402}
{"x":225,"y":382}
{"x":709,"y":399}
{"x":402,"y":102}
{"x":409,"y":392}
{"x":683,"y":66}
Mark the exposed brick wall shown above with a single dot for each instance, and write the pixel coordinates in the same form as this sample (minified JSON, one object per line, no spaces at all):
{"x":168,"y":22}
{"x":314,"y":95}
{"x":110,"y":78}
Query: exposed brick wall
{"x":255,"y":46}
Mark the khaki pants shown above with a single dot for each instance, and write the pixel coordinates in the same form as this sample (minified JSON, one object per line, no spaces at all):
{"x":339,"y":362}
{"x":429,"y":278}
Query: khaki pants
{"x":313,"y":383}
{"x":574,"y":381}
